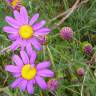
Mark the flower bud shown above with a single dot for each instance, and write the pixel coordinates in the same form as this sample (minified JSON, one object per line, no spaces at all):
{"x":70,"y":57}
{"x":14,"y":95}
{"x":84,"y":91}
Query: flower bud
{"x":66,"y":33}
{"x":87,"y":48}
{"x":52,"y":84}
{"x":42,"y":40}
{"x":80,"y":71}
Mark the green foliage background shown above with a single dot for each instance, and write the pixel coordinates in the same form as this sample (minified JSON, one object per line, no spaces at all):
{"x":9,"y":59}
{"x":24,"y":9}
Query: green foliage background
{"x":66,"y":57}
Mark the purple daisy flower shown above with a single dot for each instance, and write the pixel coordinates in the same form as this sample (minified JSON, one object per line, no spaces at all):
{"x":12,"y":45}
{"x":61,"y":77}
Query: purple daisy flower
{"x":27,"y":73}
{"x":66,"y":33}
{"x":24,"y":32}
{"x":14,"y":4}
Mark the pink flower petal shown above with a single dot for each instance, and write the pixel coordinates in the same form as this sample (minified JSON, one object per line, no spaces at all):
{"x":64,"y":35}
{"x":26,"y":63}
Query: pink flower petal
{"x":24,"y":57}
{"x":46,"y":73}
{"x":34,"y":81}
{"x":23,"y":44}
{"x":43,"y":65}
{"x":33,"y":57}
{"x":8,"y":1}
{"x":42,"y":32}
{"x":30,"y":87}
{"x":39,"y":25}
{"x":12,"y":22}
{"x":16,"y":82}
{"x":29,"y":48}
{"x":16,"y":75}
{"x":18,"y":17}
{"x":23,"y":13}
{"x":12,"y":68}
{"x":9,"y":29}
{"x":15,"y":45}
{"x":41,"y":82}
{"x":36,"y":44}
{"x":13,"y":36}
{"x":23,"y":84}
{"x":34,"y":19}
{"x":17,"y":60}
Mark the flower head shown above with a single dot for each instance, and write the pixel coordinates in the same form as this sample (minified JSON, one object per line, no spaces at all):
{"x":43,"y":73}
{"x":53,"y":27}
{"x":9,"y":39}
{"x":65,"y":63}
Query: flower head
{"x":24,"y":32}
{"x":14,"y":4}
{"x":27,"y":73}
{"x":52,"y":84}
{"x":87,"y":47}
{"x":80,"y":71}
{"x":66,"y":33}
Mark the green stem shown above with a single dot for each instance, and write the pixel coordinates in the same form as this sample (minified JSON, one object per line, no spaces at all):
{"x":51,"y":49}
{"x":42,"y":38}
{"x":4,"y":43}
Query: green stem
{"x":51,"y":57}
{"x":44,"y":50}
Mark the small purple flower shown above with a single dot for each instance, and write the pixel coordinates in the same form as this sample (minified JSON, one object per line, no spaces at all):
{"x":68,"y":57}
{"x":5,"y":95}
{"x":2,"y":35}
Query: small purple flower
{"x":66,"y":33}
{"x":88,"y":48}
{"x":52,"y":84}
{"x":80,"y":71}
{"x":14,"y":4}
{"x":24,"y":32}
{"x":27,"y":73}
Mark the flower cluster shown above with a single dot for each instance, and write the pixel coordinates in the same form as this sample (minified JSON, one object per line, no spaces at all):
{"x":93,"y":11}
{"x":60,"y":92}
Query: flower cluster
{"x":26,"y":33}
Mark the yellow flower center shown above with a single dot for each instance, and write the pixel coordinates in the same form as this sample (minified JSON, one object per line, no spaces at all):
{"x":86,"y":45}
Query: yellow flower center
{"x":28,"y":72}
{"x":14,"y":3}
{"x":26,"y":31}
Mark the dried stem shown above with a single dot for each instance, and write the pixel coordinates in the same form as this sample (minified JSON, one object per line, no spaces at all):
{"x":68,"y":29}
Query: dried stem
{"x":51,"y":57}
{"x":71,"y":11}
{"x":67,"y":13}
{"x":83,"y":2}
{"x":60,"y":15}
{"x":4,"y":50}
